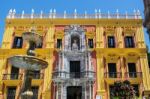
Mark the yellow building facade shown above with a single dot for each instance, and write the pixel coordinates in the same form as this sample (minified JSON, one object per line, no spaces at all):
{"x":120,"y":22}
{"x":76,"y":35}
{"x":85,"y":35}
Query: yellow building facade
{"x":98,"y":49}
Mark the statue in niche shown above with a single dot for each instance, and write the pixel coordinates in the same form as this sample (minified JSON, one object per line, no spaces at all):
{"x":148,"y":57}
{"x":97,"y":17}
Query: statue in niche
{"x":74,"y":45}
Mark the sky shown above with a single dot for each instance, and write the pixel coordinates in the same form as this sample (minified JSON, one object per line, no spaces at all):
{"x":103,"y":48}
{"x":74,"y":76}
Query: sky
{"x":69,"y":6}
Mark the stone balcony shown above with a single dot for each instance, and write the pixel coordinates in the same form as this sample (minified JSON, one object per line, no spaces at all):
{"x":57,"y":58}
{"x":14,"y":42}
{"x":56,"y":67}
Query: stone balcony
{"x":59,"y":76}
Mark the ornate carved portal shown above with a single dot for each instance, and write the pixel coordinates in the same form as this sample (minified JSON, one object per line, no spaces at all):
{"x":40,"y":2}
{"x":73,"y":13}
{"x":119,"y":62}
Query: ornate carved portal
{"x":75,"y":68}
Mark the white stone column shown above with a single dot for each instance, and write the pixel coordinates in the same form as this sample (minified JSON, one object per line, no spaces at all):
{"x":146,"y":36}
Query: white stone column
{"x":57,"y":92}
{"x":86,"y":63}
{"x":59,"y":64}
{"x":85,"y":92}
{"x":89,"y":60}
{"x":63,"y":63}
{"x":62,"y":91}
{"x":83,"y":41}
{"x":90,"y":91}
{"x":54,"y":92}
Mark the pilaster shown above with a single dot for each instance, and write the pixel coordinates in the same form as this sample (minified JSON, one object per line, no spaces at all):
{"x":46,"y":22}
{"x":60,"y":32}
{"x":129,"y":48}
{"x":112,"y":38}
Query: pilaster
{"x":100,"y":76}
{"x":139,"y":35}
{"x":119,"y":37}
{"x":48,"y":78}
{"x":145,"y":72}
{"x":7,"y":38}
{"x":99,"y":37}
{"x":50,"y":37}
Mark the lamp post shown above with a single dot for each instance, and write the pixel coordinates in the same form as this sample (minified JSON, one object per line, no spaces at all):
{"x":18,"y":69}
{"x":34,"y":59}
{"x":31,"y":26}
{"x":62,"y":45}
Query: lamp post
{"x":28,"y":62}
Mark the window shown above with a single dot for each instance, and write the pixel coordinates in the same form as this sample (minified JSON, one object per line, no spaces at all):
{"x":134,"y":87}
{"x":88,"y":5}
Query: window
{"x":14,"y":72}
{"x":59,"y":43}
{"x":132,"y":70}
{"x":111,"y":42}
{"x":36,"y":74}
{"x":112,"y":70}
{"x":18,"y":41}
{"x":35,"y":92}
{"x":129,"y":42}
{"x":111,"y":89}
{"x":136,"y":88}
{"x":75,"y":69}
{"x":11,"y":92}
{"x":90,"y":43}
{"x":40,"y":45}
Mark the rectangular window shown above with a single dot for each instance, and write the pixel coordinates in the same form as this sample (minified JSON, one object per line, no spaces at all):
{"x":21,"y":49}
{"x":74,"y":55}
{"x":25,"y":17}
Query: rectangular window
{"x":14,"y":72}
{"x":111,"y":89}
{"x":11,"y":92}
{"x":129,"y":42}
{"x":132,"y":70}
{"x":36,"y":74}
{"x":75,"y":69}
{"x":136,"y":88}
{"x":18,"y":42}
{"x":35,"y":92}
{"x":40,"y":45}
{"x":59,"y":43}
{"x":112,"y":70}
{"x":111,"y":42}
{"x":90,"y":43}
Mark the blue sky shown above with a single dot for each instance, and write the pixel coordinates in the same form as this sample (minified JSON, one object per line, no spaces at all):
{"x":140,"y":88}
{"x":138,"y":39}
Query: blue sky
{"x":69,"y":6}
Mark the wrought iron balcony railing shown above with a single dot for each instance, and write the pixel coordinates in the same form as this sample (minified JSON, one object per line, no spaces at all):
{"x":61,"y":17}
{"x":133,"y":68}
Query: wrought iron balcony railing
{"x":13,"y":76}
{"x":11,"y":95}
{"x":35,"y":96}
{"x":38,"y":75}
{"x":133,"y":74}
{"x":113,"y":75}
{"x":64,"y":74}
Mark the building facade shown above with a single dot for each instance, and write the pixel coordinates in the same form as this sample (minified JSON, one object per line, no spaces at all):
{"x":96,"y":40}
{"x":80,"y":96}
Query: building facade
{"x":86,"y":54}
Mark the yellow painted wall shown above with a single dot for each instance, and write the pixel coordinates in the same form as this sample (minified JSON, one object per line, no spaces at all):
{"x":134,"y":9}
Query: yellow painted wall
{"x":104,"y":27}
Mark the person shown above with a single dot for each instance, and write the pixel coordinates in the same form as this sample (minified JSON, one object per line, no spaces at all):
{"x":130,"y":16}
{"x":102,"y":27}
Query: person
{"x":75,"y":45}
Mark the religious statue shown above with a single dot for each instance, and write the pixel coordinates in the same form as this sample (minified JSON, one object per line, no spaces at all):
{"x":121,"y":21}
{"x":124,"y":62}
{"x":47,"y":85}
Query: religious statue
{"x":74,"y":45}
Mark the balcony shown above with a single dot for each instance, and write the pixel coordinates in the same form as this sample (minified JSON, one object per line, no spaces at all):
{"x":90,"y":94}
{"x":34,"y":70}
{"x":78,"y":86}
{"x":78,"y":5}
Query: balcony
{"x":63,"y":75}
{"x":38,"y":76}
{"x":110,"y":77}
{"x":133,"y":74}
{"x":12,"y":79}
{"x":37,"y":79}
{"x":11,"y":95}
{"x":134,"y":77}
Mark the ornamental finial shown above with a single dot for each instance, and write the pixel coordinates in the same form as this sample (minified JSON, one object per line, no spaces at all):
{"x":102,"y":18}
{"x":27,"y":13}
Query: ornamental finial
{"x":65,"y":14}
{"x":41,"y":15}
{"x":32,"y":13}
{"x":9,"y":13}
{"x":117,"y":12}
{"x":75,"y":10}
{"x":99,"y":11}
{"x":22,"y":15}
{"x":126,"y":15}
{"x":85,"y":14}
{"x":108,"y":15}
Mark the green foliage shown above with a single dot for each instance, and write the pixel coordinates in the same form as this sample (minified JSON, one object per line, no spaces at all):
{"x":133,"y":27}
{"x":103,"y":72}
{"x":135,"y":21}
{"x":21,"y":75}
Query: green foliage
{"x":122,"y":90}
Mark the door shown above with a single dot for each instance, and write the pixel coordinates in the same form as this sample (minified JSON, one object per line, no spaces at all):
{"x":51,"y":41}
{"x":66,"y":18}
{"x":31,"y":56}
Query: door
{"x":74,"y":92}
